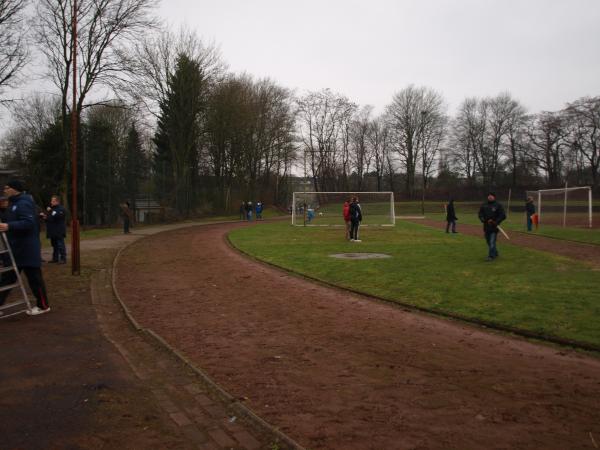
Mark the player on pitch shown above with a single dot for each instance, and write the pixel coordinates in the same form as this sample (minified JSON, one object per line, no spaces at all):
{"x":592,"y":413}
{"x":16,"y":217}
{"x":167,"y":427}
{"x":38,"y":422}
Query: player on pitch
{"x":355,"y":219}
{"x":491,"y":215}
{"x":346,"y":214}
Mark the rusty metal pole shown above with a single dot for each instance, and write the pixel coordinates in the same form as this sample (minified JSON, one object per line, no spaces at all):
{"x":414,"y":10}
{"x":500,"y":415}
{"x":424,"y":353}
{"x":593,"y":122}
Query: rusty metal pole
{"x":75,"y":262}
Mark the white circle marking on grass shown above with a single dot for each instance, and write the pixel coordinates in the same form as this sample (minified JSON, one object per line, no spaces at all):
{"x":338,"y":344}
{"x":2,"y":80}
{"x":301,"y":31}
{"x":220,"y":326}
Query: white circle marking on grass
{"x":360,"y":255}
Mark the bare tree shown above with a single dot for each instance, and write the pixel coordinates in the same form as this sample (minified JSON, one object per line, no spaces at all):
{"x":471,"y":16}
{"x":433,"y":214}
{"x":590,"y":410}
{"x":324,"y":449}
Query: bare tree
{"x":104,"y":28}
{"x":583,"y":116}
{"x":13,"y":46}
{"x":249,"y":135}
{"x":434,"y":123}
{"x":361,"y":154}
{"x":461,"y":143}
{"x":148,"y":64}
{"x":344,"y":162}
{"x":481,"y":131}
{"x":35,"y":114}
{"x":413,"y":116}
{"x":322,"y":117}
{"x":275,"y":129}
{"x":31,"y":119}
{"x":516,"y":140}
{"x":379,"y":139}
{"x":547,"y":144}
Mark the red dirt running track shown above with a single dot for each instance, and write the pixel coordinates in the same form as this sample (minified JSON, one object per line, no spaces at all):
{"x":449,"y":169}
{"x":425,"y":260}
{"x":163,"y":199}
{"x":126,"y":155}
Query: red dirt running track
{"x":339,"y":371}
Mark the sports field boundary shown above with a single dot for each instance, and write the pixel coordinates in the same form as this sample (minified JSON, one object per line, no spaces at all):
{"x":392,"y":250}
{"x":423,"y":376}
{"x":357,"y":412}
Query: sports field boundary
{"x":232,"y":402}
{"x":542,"y":337}
{"x":523,"y":233}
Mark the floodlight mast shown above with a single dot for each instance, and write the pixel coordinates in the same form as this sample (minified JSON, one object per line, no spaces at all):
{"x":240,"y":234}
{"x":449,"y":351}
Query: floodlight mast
{"x":304,"y":196}
{"x":75,"y":263}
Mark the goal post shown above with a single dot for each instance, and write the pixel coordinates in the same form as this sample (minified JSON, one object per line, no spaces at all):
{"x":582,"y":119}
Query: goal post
{"x":326,"y":208}
{"x":568,"y":206}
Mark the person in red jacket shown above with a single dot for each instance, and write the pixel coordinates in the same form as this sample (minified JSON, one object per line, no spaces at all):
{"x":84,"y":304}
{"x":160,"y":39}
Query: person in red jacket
{"x":347,"y":218}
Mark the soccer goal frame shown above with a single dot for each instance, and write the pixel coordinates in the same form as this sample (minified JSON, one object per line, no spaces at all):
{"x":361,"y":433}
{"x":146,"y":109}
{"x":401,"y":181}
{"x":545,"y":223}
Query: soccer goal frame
{"x":566,"y":191}
{"x":302,"y":221}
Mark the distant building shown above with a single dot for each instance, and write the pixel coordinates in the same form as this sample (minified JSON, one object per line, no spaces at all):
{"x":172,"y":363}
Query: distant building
{"x":148,"y":210}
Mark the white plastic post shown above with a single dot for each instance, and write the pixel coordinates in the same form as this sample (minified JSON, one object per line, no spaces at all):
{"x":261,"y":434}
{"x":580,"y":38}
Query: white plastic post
{"x":393,"y":209}
{"x":539,"y":208}
{"x":565,"y":204}
{"x":294,"y":208}
{"x":590,"y":206}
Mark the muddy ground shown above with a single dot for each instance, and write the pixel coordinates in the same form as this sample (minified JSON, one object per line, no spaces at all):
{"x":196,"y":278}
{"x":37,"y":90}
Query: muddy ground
{"x":63,"y":385}
{"x":341,"y":371}
{"x":589,"y":253}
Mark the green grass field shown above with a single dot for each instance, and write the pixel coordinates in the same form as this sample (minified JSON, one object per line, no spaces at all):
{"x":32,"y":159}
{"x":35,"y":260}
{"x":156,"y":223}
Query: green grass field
{"x":378,"y":214}
{"x":467,"y":214}
{"x":524,"y":288}
{"x":516,"y":222}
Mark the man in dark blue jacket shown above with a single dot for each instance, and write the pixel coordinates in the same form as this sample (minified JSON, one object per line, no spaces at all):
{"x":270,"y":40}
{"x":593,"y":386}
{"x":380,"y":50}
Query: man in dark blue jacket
{"x":355,"y":219}
{"x":491,"y":215}
{"x":56,"y":229}
{"x":23,"y":234}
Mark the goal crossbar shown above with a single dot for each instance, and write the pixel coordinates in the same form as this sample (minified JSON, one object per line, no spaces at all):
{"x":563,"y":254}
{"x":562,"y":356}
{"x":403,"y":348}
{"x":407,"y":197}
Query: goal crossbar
{"x":565,"y":191}
{"x":568,"y":189}
{"x":326,"y":206}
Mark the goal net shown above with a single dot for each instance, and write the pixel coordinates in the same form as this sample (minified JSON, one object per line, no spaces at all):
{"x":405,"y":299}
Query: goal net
{"x":326,"y":208}
{"x":567,"y":207}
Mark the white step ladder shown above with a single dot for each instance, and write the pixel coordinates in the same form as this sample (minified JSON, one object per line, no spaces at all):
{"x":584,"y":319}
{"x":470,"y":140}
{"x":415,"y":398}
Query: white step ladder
{"x":19,"y":306}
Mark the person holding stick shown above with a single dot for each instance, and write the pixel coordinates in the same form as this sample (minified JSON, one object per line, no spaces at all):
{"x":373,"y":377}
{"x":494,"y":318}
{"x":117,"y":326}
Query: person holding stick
{"x":530,"y":212}
{"x":451,"y":216}
{"x":491,"y":215}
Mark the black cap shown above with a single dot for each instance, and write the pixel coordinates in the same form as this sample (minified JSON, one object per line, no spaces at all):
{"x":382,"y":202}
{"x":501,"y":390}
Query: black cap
{"x":17,"y":185}
{"x":492,"y":193}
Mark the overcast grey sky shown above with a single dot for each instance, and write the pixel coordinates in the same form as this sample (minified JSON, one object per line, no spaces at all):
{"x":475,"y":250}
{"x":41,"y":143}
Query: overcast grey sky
{"x":545,"y":52}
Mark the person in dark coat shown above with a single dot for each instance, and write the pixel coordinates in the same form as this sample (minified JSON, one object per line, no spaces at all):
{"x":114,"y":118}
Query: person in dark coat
{"x":259,"y":210}
{"x":491,"y":215}
{"x":243,"y":211}
{"x":355,"y":219}
{"x":3,"y":208}
{"x":451,"y":216}
{"x":56,"y":229}
{"x":529,"y":212}
{"x":249,"y":209}
{"x":4,"y":257}
{"x":22,"y":229}
{"x":126,"y":216}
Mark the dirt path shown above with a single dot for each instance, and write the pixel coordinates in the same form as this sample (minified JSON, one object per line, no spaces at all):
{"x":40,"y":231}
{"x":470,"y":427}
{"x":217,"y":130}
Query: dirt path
{"x":63,"y":385}
{"x":339,"y":371}
{"x":81,"y":377}
{"x":575,"y":250}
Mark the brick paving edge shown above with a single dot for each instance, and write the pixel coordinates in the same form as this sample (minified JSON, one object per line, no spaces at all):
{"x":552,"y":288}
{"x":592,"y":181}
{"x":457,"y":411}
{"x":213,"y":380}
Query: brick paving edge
{"x":233,"y":403}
